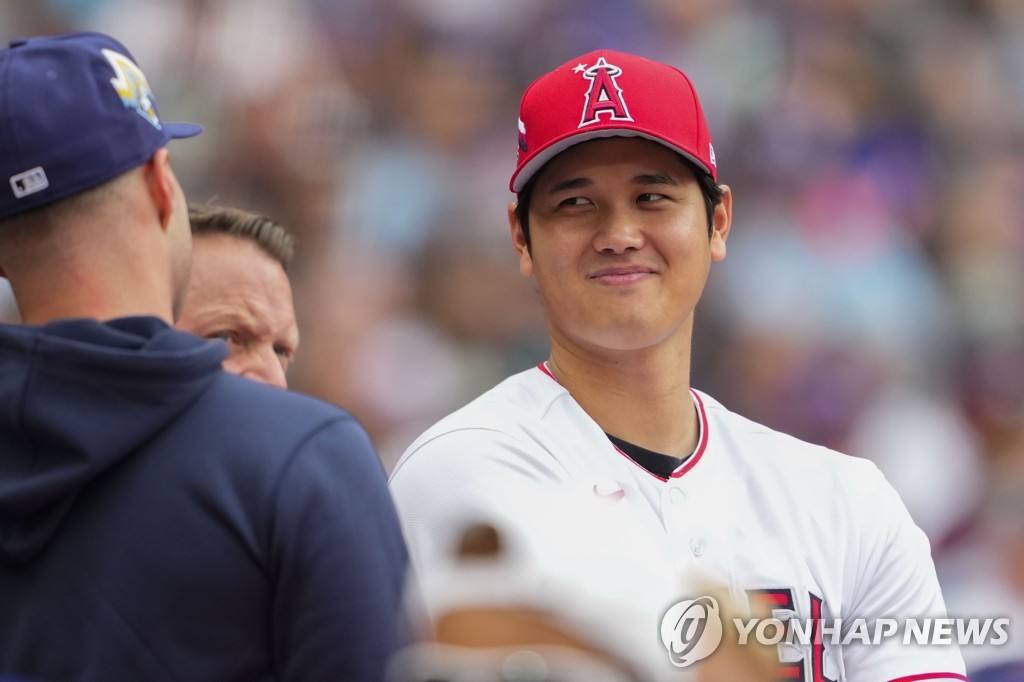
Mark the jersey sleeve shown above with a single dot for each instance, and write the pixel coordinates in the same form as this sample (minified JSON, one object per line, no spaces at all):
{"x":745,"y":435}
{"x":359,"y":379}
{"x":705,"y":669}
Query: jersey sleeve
{"x":338,"y":561}
{"x":895,"y":580}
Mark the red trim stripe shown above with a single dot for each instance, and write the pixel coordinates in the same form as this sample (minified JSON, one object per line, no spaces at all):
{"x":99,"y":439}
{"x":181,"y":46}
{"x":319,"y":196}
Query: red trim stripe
{"x":690,"y":461}
{"x":544,"y":368}
{"x":931,"y":676}
{"x":702,"y":446}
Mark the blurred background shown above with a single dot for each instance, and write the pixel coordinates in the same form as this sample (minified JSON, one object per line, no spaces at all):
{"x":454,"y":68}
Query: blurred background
{"x":873,"y":295}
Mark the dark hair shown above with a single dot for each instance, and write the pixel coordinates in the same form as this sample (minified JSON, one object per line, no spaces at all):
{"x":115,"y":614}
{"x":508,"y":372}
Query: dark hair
{"x":709,"y":189}
{"x":274,"y":239}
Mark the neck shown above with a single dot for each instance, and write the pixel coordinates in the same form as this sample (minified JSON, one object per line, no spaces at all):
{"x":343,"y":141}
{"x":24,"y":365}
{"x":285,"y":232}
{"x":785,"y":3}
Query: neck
{"x":642,"y":397}
{"x":46,"y":295}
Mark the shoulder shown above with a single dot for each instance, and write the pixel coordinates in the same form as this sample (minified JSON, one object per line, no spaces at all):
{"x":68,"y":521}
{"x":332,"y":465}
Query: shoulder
{"x":510,"y":418}
{"x":241,"y":400}
{"x":764,"y":448}
{"x":812,"y":490}
{"x":270,"y":425}
{"x":522,"y":398}
{"x":497,"y":447}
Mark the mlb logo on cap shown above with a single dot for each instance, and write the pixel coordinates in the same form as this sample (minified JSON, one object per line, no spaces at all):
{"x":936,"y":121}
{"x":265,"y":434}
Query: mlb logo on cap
{"x":610,"y":94}
{"x":75,"y":111}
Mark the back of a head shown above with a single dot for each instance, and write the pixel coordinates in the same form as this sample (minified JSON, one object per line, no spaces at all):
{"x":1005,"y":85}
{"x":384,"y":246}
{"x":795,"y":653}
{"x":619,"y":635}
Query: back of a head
{"x":84,"y":114}
{"x":83,"y":118}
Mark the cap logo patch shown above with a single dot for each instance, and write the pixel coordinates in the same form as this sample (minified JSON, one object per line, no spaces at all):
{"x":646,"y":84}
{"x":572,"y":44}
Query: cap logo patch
{"x":131,"y":86}
{"x":604,"y":95}
{"x":29,"y":182}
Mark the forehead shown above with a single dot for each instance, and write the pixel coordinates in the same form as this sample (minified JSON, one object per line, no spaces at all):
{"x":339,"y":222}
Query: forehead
{"x":238,"y":256}
{"x":233,"y":274}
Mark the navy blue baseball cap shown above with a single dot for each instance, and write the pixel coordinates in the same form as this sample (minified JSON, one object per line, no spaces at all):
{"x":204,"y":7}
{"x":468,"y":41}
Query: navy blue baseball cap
{"x":75,"y":111}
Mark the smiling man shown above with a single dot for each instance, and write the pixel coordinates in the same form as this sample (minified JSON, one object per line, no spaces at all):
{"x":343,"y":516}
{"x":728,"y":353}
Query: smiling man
{"x":619,"y":218}
{"x":239,"y":291}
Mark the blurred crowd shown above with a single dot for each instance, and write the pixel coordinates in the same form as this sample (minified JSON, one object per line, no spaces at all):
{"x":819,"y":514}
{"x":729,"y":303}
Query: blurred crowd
{"x":873,"y":295}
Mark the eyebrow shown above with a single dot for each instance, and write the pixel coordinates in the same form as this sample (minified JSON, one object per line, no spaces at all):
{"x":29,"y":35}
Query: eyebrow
{"x":654,"y":179}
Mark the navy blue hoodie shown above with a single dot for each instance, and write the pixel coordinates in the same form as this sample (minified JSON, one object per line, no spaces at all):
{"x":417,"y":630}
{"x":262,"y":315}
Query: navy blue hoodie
{"x":161,"y":519}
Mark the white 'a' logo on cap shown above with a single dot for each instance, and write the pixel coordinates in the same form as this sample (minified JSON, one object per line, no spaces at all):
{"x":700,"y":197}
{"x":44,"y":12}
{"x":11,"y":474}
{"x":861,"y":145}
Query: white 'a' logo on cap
{"x":604,"y":95}
{"x":131,"y":86}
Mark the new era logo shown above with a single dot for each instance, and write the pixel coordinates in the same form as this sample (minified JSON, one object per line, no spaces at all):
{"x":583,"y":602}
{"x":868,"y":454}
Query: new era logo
{"x":29,"y":182}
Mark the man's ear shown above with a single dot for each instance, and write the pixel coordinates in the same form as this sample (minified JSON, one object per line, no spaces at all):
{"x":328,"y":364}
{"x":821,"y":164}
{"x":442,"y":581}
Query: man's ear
{"x":519,"y":242}
{"x":162,"y":185}
{"x":721,"y":223}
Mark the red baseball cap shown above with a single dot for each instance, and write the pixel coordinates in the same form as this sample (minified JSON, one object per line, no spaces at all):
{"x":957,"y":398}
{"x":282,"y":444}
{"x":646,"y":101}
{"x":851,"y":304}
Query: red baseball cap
{"x":610,"y":94}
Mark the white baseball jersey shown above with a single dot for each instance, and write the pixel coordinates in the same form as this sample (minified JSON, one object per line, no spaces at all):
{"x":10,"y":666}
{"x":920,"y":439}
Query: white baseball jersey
{"x":789,"y":528}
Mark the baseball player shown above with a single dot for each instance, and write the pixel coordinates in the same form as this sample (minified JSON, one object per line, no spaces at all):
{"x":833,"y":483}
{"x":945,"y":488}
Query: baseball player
{"x":618,"y":218}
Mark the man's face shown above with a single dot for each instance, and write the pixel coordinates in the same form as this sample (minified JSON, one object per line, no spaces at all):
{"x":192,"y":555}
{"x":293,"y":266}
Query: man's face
{"x":619,"y":244}
{"x":240,"y":294}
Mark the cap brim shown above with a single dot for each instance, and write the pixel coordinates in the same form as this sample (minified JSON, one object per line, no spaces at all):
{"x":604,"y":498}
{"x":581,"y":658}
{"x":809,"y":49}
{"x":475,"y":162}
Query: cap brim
{"x":533,"y":164}
{"x":179,"y":130}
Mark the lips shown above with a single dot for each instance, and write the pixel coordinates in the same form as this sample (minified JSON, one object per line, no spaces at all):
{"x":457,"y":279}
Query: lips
{"x":622,"y":274}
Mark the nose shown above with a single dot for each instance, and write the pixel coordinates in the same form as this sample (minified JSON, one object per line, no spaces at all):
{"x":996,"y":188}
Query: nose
{"x":258,"y":363}
{"x":618,"y":232}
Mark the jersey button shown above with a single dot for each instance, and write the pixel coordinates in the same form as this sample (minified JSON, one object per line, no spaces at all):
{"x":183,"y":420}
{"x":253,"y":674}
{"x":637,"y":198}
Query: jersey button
{"x":677,"y":496}
{"x":697,"y":546}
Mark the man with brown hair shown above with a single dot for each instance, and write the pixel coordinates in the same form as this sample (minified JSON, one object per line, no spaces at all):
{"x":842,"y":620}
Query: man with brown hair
{"x":239,"y":291}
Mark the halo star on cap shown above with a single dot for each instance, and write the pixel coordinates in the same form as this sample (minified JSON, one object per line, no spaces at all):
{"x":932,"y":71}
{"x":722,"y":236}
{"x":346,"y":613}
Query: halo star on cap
{"x":610,"y":94}
{"x":75,"y":111}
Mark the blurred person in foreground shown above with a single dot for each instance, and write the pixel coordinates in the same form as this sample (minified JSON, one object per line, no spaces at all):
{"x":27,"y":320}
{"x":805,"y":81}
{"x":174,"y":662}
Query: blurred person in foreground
{"x":618,"y":218}
{"x":534,"y":593}
{"x":239,"y":290}
{"x":160,"y":518}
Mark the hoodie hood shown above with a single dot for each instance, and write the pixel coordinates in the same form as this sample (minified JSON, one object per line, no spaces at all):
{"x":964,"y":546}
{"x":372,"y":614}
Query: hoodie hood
{"x":76,"y":397}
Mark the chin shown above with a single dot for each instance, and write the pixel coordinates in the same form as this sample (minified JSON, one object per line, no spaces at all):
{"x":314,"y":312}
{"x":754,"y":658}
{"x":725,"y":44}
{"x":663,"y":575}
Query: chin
{"x":622,"y":340}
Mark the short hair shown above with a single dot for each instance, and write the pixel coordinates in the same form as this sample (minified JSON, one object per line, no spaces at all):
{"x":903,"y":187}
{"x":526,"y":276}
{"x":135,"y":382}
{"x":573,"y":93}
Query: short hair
{"x":709,"y":189}
{"x":57,"y":219}
{"x":272,"y":238}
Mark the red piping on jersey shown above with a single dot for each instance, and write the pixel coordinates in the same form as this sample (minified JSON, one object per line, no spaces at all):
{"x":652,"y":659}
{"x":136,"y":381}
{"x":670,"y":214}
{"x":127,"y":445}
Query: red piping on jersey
{"x":691,"y":461}
{"x":702,"y":446}
{"x":931,"y":676}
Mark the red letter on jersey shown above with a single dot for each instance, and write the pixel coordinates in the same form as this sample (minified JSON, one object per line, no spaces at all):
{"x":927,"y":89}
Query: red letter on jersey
{"x":764,"y":604}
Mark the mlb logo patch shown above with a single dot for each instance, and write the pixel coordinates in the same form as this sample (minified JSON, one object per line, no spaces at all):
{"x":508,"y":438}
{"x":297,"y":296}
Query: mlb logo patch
{"x":29,"y":182}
